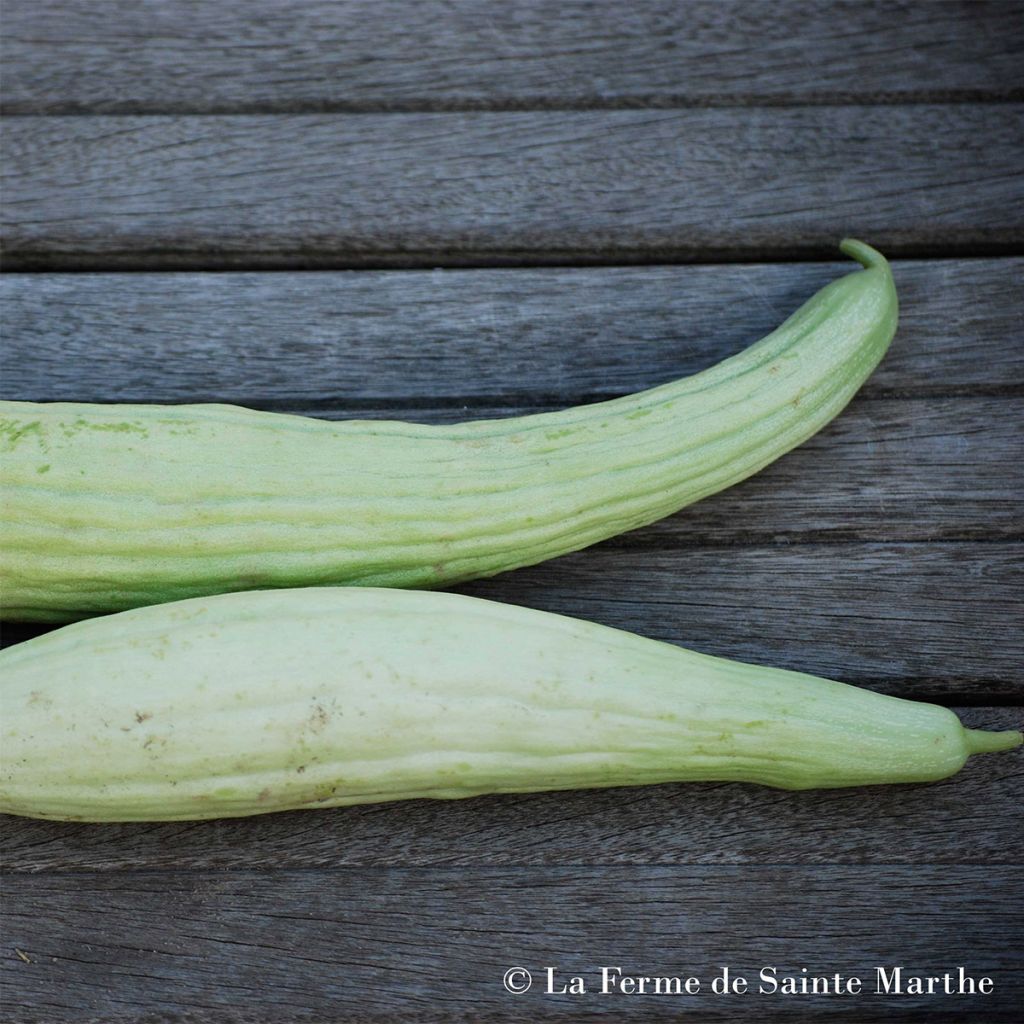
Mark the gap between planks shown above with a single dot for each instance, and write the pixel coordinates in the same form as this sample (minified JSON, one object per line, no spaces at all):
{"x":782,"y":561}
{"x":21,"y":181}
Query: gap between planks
{"x":990,"y":252}
{"x":143,"y":261}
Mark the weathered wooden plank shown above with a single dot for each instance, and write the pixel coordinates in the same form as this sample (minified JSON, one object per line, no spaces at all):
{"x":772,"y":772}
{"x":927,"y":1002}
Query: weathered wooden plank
{"x":677,"y":824}
{"x":432,"y":189}
{"x":127,"y":56}
{"x":417,"y":945}
{"x":462,"y":338}
{"x":937,"y":620}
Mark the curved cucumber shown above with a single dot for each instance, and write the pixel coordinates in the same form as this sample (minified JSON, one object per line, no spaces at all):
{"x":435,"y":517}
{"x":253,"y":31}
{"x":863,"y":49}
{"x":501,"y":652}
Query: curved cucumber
{"x":108,"y":507}
{"x":274,"y":700}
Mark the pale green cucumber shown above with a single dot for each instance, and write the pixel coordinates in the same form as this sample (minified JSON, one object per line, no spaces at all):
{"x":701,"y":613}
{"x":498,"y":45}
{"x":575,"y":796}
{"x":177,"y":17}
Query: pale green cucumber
{"x":106,"y":507}
{"x":317,"y":697}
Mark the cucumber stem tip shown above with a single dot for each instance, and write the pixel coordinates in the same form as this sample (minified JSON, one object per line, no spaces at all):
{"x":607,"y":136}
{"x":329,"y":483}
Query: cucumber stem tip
{"x":981,"y":741}
{"x":862,"y":253}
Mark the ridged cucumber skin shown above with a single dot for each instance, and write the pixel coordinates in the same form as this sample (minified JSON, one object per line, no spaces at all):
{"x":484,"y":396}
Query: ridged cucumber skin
{"x":275,"y":700}
{"x":106,"y":507}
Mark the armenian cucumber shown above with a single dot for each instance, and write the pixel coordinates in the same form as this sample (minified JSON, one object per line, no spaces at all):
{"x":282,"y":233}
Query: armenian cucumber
{"x":107,"y":507}
{"x":317,"y":697}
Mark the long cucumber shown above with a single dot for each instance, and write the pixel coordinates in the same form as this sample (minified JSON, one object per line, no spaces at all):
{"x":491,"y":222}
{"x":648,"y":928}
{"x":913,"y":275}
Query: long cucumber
{"x":106,"y":507}
{"x":317,"y":697}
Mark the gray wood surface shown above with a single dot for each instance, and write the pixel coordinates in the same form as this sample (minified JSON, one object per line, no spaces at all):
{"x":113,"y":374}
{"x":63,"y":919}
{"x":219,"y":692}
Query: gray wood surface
{"x":163,"y":56}
{"x":431,"y":189}
{"x":364,"y":944}
{"x":449,"y":344}
{"x":972,"y":818}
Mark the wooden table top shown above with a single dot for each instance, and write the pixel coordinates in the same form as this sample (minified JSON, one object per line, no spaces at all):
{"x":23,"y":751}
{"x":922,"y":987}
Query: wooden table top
{"x":436,"y":211}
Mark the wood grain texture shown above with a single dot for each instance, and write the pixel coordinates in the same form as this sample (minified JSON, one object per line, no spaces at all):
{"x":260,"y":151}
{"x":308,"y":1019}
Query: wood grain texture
{"x":933,"y":620}
{"x":429,"y":945}
{"x":461,"y":188}
{"x":972,"y":818}
{"x":448,"y":342}
{"x":176,"y":56}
